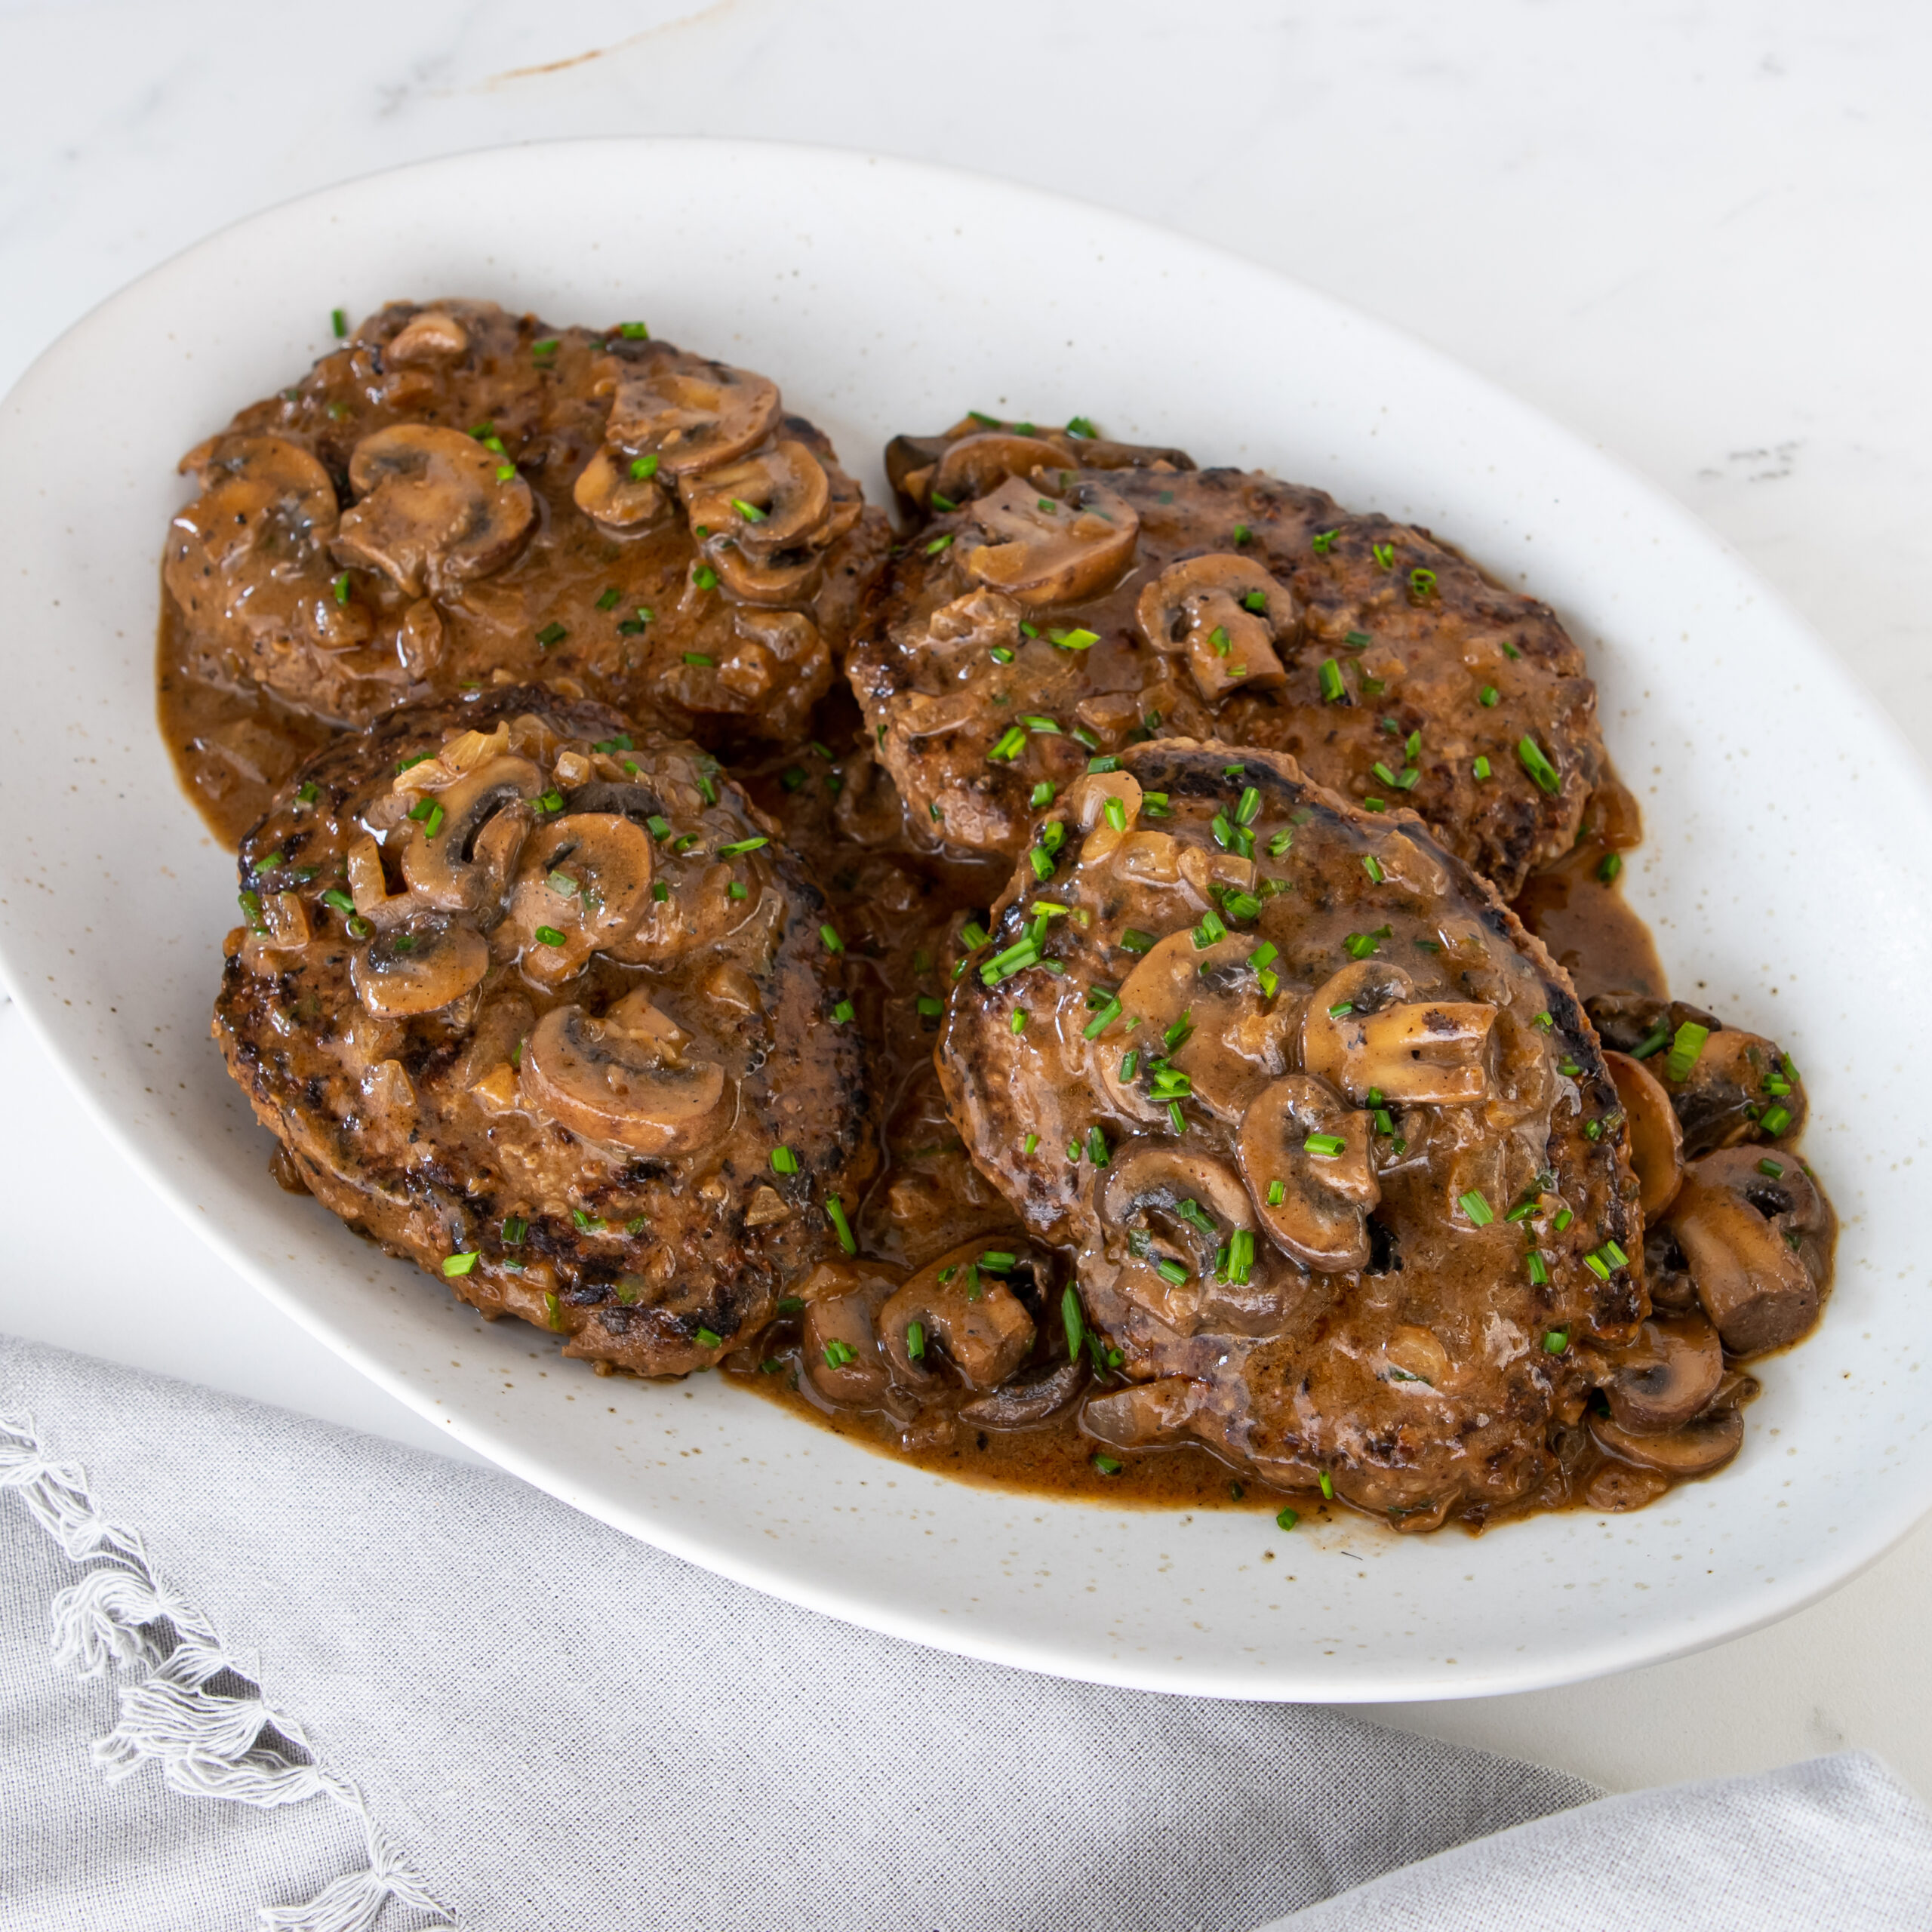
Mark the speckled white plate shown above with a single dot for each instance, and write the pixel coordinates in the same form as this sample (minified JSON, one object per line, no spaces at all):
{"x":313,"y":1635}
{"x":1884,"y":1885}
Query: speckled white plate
{"x":1789,"y":832}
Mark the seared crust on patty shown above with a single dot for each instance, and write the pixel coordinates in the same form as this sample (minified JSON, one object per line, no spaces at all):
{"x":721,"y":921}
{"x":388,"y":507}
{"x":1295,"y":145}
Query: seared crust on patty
{"x":1074,"y":612}
{"x":1333,"y":1143}
{"x":531,"y":997}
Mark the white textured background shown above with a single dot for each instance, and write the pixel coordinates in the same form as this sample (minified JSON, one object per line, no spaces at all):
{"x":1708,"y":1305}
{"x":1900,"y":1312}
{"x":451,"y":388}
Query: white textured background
{"x":1696,"y":233}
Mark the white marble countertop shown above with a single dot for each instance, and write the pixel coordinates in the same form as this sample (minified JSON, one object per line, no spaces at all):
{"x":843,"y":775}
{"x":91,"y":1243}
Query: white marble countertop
{"x":1693,"y":233}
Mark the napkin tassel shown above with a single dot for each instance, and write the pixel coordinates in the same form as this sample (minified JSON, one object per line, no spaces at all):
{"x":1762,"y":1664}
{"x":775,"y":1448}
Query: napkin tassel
{"x":196,"y":1713}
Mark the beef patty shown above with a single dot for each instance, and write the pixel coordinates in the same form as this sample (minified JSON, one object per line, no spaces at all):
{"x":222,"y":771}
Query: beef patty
{"x":457,"y":494}
{"x":1072,"y":611}
{"x":536,"y":999}
{"x":1335,"y":1147}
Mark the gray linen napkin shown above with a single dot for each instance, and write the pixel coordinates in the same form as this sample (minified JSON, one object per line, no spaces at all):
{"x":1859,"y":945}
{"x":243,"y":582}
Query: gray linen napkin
{"x":308,"y":1679}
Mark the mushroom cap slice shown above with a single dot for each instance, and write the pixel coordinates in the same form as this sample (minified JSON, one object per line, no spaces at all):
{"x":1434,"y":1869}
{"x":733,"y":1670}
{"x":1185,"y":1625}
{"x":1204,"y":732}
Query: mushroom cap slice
{"x":974,"y":465}
{"x":1695,"y":1450}
{"x":1233,"y":1050}
{"x":260,"y":493}
{"x":422,"y":966}
{"x":1758,"y":1245}
{"x":429,"y":336}
{"x":1147,"y":1414}
{"x":583,"y":884}
{"x":608,"y":493}
{"x":1168,"y":1205}
{"x":1026,"y":1403}
{"x":785,"y":484}
{"x":434,"y":509}
{"x":689,"y":413}
{"x":1041,"y":550}
{"x":1656,"y":1140}
{"x":1361,"y":1032}
{"x":1223,"y":613}
{"x":841,"y":1357}
{"x":1666,"y":1377}
{"x":467,"y":864}
{"x":629,"y":1080}
{"x":967,"y":1311}
{"x":1321,"y":1217}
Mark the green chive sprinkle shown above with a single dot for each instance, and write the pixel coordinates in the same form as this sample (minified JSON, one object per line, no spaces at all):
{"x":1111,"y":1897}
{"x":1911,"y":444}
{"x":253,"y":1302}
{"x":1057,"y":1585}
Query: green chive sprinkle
{"x":1538,"y":765}
{"x":1326,"y":1145}
{"x":834,"y":1212}
{"x":1489,"y":696}
{"x":1776,"y":1120}
{"x":1333,"y":689}
{"x":783,"y":1160}
{"x":1287,"y":1519}
{"x":1539,"y":1270}
{"x":833,"y":943}
{"x":1556,"y":1341}
{"x":1685,"y":1049}
{"x":841,"y":1012}
{"x":643,"y":468}
{"x":1478,"y":1210}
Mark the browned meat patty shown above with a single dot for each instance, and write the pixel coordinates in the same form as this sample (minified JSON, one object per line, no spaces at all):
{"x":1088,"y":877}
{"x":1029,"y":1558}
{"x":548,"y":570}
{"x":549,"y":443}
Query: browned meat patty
{"x":458,"y":495}
{"x":536,"y":999}
{"x":1071,"y":612}
{"x":1331,"y":1142}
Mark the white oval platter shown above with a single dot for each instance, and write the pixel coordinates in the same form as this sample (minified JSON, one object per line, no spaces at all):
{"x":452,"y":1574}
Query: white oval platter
{"x":1787,"y":828}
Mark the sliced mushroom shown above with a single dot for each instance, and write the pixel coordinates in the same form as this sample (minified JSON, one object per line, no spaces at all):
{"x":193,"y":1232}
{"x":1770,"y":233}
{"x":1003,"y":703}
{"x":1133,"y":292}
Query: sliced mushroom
{"x":630,"y":1079}
{"x":251,"y":551}
{"x":1665,"y":1377}
{"x":1042,"y":550}
{"x":1175,"y":1212}
{"x":1030,"y":1401}
{"x":1657,"y":1141}
{"x":974,"y":465}
{"x":1756,"y":1236}
{"x":1147,"y":1414}
{"x":1361,"y":1031}
{"x":689,"y":413}
{"x":1223,"y":614}
{"x":1616,"y":1489}
{"x":962,"y":1311}
{"x":1106,"y":805}
{"x":430,"y":335}
{"x":584,"y":884}
{"x":1306,"y":1156}
{"x":466,"y":865}
{"x":770,"y":500}
{"x":609,"y":492}
{"x":421,"y":966}
{"x":1695,"y":1450}
{"x":788,"y":579}
{"x":434,"y":511}
{"x":1733,"y":1084}
{"x":1230,"y":1036}
{"x":839,"y":1345}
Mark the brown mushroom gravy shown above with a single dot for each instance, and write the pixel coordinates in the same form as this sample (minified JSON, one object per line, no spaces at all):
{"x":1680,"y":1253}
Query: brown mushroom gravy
{"x":1267,"y":1158}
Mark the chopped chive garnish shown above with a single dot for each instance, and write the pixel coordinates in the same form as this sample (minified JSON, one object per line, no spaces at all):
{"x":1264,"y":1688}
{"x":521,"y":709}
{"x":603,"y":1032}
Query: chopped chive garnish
{"x":1116,"y":813}
{"x":340,"y":588}
{"x":1774,"y":1170}
{"x":1538,"y":765}
{"x":841,"y":1012}
{"x":698,"y":658}
{"x":1556,"y":1341}
{"x":1018,"y":1023}
{"x":1685,"y":1049}
{"x":1154,"y":805}
{"x":938,"y":544}
{"x":1176,"y":1119}
{"x":1027,"y":1145}
{"x":562,"y":884}
{"x":1363,"y":945}
{"x":929,"y":1008}
{"x":1561,"y":1219}
{"x":783,"y":1160}
{"x":633,"y":331}
{"x":1326,"y":1145}
{"x":1597,"y":1266}
{"x":1102,"y":1020}
{"x":1489,"y":696}
{"x":338,"y":323}
{"x":839,"y":1355}
{"x":550,"y":936}
{"x":1135,"y":940}
{"x":1042,"y":794}
{"x":749,"y":511}
{"x":833,"y":943}
{"x":1481,"y":767}
{"x":643,"y":468}
{"x":704,"y":577}
{"x":553,"y":1314}
{"x":1333,"y":689}
{"x":334,"y":896}
{"x":1108,"y":1465}
{"x":1096,"y":1147}
{"x":552,"y":633}
{"x":834,"y":1212}
{"x":1012,"y":742}
{"x":1210,"y":932}
{"x":738,"y":845}
{"x":1373,"y":866}
{"x":1287,"y":1519}
{"x":1325,"y":541}
{"x":1478,"y":1210}
{"x":1609,"y":866}
{"x":1075,"y":640}
{"x":1170,"y":1271}
{"x":1277,"y":1193}
{"x":1776,"y":1120}
{"x":1539,"y":1269}
{"x":548,"y":346}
